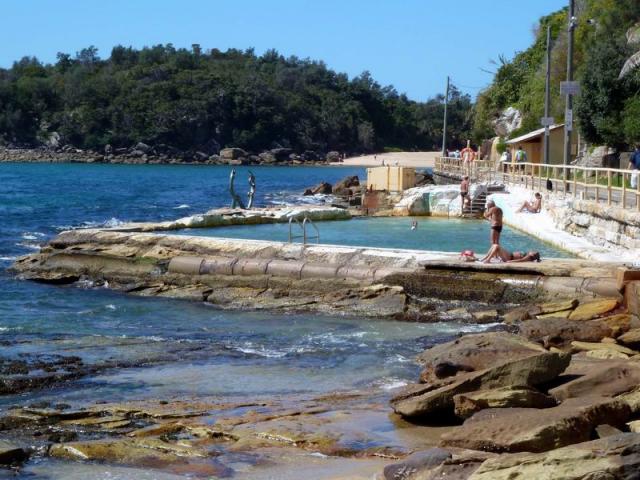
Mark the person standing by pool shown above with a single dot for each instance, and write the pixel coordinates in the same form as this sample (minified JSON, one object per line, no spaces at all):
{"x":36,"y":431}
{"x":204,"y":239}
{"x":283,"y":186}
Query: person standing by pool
{"x":494,"y":215}
{"x":468,"y":156}
{"x":634,"y":166}
{"x":464,"y":192}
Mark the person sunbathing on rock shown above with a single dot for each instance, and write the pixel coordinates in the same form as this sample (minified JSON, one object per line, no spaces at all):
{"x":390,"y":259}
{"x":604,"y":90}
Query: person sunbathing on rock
{"x":532,"y":207}
{"x":503,"y":255}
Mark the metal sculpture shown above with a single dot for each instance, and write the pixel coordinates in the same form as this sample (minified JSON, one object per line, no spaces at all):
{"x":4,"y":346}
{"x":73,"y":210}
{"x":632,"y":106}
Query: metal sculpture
{"x":236,"y":200}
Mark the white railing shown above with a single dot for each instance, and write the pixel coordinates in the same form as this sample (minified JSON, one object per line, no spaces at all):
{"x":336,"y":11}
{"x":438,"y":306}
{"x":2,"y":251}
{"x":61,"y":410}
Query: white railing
{"x":602,"y":185}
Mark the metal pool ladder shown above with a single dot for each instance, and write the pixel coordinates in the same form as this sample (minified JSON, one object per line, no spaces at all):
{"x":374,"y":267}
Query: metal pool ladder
{"x":303,"y":226}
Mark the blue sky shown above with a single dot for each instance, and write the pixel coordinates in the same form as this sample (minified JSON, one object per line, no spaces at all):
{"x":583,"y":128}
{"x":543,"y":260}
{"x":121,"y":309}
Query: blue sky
{"x":411,"y":44}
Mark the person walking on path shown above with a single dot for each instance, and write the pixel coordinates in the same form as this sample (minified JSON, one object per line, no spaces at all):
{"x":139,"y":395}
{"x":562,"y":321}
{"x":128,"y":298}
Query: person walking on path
{"x":505,"y":160}
{"x":521,"y":157}
{"x":634,"y":166}
{"x":464,"y":192}
{"x":494,"y":215}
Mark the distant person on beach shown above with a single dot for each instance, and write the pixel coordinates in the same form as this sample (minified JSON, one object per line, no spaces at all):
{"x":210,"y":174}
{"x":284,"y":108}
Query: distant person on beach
{"x":634,"y":166}
{"x":494,"y":215}
{"x":503,"y":255}
{"x":464,"y":192}
{"x":532,"y":207}
{"x":468,"y":156}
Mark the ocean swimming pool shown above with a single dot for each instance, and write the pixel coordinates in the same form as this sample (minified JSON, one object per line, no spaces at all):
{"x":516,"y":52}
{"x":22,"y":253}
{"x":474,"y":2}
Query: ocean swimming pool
{"x":435,"y":234}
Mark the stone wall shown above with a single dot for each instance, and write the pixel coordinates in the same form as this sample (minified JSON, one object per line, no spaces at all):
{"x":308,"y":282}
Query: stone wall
{"x":607,"y":226}
{"x":435,"y":200}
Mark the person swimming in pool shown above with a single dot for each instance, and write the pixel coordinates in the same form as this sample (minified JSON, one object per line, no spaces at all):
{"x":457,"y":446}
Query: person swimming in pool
{"x":494,"y":215}
{"x":504,"y":255}
{"x":414,"y":225}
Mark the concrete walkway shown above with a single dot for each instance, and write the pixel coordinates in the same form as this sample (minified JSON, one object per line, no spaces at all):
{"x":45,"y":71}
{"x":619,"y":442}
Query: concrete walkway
{"x":403,"y":159}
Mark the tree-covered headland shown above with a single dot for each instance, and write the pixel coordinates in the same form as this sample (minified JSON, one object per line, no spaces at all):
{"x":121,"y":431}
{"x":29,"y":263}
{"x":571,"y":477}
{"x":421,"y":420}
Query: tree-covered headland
{"x":191,"y":99}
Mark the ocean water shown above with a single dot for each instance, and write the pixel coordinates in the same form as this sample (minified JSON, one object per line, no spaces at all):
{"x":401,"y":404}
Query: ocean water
{"x":447,"y":235}
{"x":160,"y":348}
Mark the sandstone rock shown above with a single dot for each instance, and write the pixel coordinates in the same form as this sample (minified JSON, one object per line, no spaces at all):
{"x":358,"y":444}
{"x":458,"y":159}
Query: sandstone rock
{"x":586,"y":346}
{"x":533,"y":430}
{"x":634,"y":426}
{"x":605,"y":379}
{"x":619,"y":324}
{"x":606,"y":355}
{"x":475,"y":352}
{"x":561,"y":314}
{"x":425,"y":400}
{"x":460,"y":467}
{"x":10,"y":453}
{"x":148,"y":451}
{"x":605,"y":430}
{"x":589,"y":310}
{"x":281,"y":154}
{"x":631,"y":338}
{"x":521,"y":314}
{"x":561,"y":306}
{"x":416,"y":464}
{"x":559,"y":332}
{"x":610,"y":458}
{"x":346,"y":183}
{"x":485,"y":316}
{"x":466,"y":404}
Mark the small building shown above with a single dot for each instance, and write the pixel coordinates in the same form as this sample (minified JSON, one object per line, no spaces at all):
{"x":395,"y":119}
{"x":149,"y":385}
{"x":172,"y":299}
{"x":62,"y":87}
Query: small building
{"x":390,"y":179}
{"x":533,"y":144}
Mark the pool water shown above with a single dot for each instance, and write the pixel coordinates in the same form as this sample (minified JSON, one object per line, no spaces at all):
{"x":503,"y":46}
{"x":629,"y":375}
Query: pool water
{"x":436,"y":234}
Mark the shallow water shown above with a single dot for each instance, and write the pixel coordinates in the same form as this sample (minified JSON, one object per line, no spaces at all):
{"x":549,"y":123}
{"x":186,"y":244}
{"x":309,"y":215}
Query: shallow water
{"x":160,"y":348}
{"x":447,"y":235}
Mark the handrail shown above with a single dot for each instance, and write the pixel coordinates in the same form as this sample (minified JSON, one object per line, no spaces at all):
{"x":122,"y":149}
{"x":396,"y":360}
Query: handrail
{"x":567,"y":179}
{"x":303,"y":226}
{"x":304,"y":230}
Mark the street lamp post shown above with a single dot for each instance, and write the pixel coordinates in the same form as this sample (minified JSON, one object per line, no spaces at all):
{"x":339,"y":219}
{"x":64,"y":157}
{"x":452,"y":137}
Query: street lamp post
{"x":568,"y":115}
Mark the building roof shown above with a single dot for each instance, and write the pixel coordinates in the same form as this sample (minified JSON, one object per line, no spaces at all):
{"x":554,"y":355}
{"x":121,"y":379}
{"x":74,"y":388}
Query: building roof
{"x":532,"y":135}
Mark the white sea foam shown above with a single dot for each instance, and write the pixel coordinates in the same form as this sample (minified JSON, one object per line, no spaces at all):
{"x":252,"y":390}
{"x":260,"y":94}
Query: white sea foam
{"x":111,"y":306}
{"x":32,"y":235}
{"x":181,"y":207}
{"x":391,"y":383}
{"x":31,"y":246}
{"x":8,"y":259}
{"x":249,"y":349}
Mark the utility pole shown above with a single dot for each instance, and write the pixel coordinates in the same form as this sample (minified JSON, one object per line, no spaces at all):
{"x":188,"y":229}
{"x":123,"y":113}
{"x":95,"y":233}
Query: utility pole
{"x":547,"y":97}
{"x":568,"y":114}
{"x":444,"y":127}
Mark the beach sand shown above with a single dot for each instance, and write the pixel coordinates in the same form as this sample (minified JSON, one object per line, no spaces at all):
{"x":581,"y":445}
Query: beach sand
{"x":404,"y":159}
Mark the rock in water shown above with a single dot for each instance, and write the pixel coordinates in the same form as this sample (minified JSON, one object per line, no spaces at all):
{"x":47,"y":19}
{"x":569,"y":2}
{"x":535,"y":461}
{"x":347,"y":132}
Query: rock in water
{"x":10,"y":453}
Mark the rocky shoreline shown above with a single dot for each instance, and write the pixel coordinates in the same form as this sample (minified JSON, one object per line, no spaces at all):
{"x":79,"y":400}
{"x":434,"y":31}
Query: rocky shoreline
{"x":142,"y":153}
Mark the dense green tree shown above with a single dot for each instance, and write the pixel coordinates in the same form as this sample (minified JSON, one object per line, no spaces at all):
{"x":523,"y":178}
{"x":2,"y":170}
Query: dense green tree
{"x":195,"y":99}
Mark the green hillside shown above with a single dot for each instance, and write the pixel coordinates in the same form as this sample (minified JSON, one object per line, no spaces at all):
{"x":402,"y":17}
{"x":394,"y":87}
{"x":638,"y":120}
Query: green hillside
{"x":608,"y":110}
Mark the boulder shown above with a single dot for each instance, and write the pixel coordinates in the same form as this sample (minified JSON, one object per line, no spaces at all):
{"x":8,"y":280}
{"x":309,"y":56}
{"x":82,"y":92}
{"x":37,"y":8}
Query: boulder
{"x":281,"y":154}
{"x":10,"y":453}
{"x":605,"y":379}
{"x":521,"y":314}
{"x":509,"y":120}
{"x":606,"y":355}
{"x":426,"y":400}
{"x":310,"y":156}
{"x":485,"y":316}
{"x":345,"y":186}
{"x":611,"y":458}
{"x":232,"y":153}
{"x":322,"y":188}
{"x":533,"y":430}
{"x":631,"y":338}
{"x":466,"y":404}
{"x":589,"y":310}
{"x":267,"y":157}
{"x":416,"y":464}
{"x":475,"y":352}
{"x":333,"y":156}
{"x":143,"y":147}
{"x":559,"y":332}
{"x":587,"y":346}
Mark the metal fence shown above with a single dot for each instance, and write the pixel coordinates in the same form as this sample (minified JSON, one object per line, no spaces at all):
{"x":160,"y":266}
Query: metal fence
{"x":611,"y":186}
